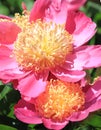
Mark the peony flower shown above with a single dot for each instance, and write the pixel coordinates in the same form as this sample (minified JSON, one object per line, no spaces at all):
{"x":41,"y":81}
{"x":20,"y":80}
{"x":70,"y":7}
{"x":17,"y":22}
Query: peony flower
{"x":60,"y":103}
{"x":46,"y":40}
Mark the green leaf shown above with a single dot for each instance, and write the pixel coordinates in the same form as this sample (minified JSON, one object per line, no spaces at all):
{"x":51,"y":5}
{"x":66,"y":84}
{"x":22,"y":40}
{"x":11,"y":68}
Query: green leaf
{"x":1,"y":83}
{"x":93,"y":120}
{"x":97,"y":19}
{"x":31,"y":127}
{"x":5,"y":90}
{"x":83,"y":127}
{"x":4,"y":10}
{"x":14,"y":2}
{"x":5,"y":127}
{"x":29,"y":4}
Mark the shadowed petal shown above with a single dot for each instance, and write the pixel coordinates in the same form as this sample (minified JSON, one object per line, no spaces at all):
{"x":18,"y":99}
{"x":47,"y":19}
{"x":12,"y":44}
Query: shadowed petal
{"x":25,"y":112}
{"x":94,"y":104}
{"x":4,"y":17}
{"x":78,"y":116}
{"x":94,"y":90}
{"x":52,"y":125}
{"x":66,"y":75}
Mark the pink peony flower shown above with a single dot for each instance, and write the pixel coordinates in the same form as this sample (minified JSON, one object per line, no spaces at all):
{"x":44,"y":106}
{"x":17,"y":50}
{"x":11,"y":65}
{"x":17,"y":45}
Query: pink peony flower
{"x":46,"y":40}
{"x":60,"y":103}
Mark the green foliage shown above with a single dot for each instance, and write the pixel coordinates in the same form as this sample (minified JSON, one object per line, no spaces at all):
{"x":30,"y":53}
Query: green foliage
{"x":94,"y":120}
{"x":9,"y":7}
{"x":4,"y":127}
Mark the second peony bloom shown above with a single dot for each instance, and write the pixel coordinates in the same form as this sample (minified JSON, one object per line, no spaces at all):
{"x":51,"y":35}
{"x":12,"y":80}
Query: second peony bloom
{"x":49,"y":39}
{"x":60,"y":103}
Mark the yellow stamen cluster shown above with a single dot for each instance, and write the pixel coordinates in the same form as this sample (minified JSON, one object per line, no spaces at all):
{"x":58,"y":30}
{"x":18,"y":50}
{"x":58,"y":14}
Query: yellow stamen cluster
{"x":60,"y":100}
{"x":41,"y":45}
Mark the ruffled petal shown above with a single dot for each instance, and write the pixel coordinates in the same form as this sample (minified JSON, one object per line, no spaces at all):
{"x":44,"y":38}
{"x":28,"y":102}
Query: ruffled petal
{"x":30,"y":87}
{"x":38,"y":10}
{"x":12,"y":74}
{"x":94,"y":56}
{"x":25,"y":112}
{"x":4,"y":17}
{"x":76,"y":61}
{"x":94,"y":90}
{"x":55,"y":10}
{"x":67,"y":75}
{"x":75,"y":4}
{"x":54,"y":125}
{"x":8,"y":32}
{"x":81,"y":27}
{"x":84,"y":57}
{"x":87,"y":57}
{"x":78,"y":116}
{"x":94,"y":104}
{"x":9,"y":69}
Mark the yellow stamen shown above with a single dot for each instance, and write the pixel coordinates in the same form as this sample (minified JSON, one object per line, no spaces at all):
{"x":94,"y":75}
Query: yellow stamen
{"x":60,"y":100}
{"x":41,"y":45}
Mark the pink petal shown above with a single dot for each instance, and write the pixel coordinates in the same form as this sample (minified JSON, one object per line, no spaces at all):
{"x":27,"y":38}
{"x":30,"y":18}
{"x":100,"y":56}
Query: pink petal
{"x":88,"y":57}
{"x":11,"y":74}
{"x":93,"y":91}
{"x":4,"y":17}
{"x":9,"y":69}
{"x":8,"y":32}
{"x":6,"y":61}
{"x":76,"y":61}
{"x":81,"y":27}
{"x":95,"y":55}
{"x":55,"y":10}
{"x":66,"y":75}
{"x":84,"y":57}
{"x":54,"y":125}
{"x":75,"y":4}
{"x":38,"y":10}
{"x":25,"y":112}
{"x":30,"y":87}
{"x":24,"y":7}
{"x":78,"y":116}
{"x":94,"y":104}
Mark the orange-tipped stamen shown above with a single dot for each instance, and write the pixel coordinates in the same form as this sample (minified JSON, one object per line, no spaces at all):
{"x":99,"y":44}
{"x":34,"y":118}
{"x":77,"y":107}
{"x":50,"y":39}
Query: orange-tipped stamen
{"x":60,"y":100}
{"x":41,"y":45}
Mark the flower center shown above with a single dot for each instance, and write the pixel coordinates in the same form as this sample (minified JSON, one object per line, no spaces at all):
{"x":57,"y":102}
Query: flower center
{"x":41,"y":45}
{"x":60,"y":100}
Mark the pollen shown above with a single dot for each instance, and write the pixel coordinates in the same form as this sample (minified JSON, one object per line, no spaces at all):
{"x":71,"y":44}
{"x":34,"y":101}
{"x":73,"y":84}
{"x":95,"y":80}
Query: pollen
{"x":41,"y":45}
{"x":60,"y":100}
